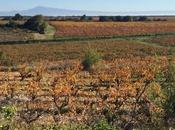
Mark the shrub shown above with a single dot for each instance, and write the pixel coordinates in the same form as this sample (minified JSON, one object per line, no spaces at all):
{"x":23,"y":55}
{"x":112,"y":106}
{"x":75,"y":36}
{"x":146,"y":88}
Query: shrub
{"x":36,"y":23}
{"x":8,"y":111}
{"x":104,"y":125}
{"x":43,"y":27}
{"x":91,"y":58}
{"x":7,"y":114}
{"x":12,"y":24}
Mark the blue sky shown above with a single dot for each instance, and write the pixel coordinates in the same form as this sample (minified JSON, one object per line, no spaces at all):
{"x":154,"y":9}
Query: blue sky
{"x":98,"y":5}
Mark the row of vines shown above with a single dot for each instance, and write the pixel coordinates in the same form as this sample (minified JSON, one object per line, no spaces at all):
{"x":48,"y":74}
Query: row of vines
{"x":126,"y":93}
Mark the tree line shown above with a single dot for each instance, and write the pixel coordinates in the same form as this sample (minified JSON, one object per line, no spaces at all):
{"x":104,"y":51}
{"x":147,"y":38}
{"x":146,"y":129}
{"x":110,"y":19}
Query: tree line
{"x":123,"y":18}
{"x":86,"y":18}
{"x":120,"y":18}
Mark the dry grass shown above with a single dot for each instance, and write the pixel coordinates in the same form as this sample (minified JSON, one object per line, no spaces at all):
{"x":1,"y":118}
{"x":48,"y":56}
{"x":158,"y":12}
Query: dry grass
{"x":3,"y":22}
{"x":9,"y":34}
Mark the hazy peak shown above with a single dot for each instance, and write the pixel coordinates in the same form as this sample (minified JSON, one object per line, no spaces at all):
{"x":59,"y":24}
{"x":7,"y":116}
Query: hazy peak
{"x":49,"y":11}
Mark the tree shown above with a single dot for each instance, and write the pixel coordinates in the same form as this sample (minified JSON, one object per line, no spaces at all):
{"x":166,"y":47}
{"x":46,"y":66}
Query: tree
{"x":17,"y":17}
{"x":84,"y":18}
{"x":135,"y":18}
{"x":142,"y":18}
{"x":127,"y":18}
{"x":103,"y":18}
{"x":36,"y":23}
{"x":117,"y":18}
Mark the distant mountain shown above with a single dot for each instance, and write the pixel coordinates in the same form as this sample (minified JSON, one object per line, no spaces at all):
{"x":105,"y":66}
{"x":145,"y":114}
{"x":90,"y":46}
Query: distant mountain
{"x":47,"y":11}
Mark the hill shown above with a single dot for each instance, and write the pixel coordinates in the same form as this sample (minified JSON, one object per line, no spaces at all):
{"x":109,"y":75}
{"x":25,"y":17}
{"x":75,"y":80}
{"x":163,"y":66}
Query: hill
{"x":47,"y":11}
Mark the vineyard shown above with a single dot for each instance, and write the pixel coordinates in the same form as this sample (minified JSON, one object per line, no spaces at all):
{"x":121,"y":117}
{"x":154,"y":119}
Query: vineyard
{"x":168,"y":41}
{"x":74,"y":29}
{"x":110,"y":49}
{"x":117,"y":83}
{"x":123,"y":91}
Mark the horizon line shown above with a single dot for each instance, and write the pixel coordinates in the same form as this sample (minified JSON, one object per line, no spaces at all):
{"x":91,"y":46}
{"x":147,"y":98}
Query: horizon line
{"x":120,"y":11}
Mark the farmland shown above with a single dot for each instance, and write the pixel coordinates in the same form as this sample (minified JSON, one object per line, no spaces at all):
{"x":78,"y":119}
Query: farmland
{"x":110,"y":49}
{"x":7,"y":34}
{"x":168,"y":41}
{"x":44,"y":84}
{"x":60,"y":92}
{"x":74,"y":29}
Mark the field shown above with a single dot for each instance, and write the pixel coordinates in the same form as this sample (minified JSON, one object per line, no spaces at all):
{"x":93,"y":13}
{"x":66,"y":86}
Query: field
{"x":61,"y":92}
{"x":74,"y":29}
{"x":7,"y":34}
{"x":168,"y":41}
{"x":45,"y":86}
{"x":110,"y":49}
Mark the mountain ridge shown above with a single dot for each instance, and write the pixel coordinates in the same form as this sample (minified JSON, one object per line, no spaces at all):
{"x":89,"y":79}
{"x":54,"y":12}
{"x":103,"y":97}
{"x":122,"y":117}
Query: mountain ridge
{"x":49,"y":11}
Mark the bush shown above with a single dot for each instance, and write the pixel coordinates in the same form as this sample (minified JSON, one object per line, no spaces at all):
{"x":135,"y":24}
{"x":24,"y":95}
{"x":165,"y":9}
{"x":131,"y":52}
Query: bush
{"x":12,"y":24}
{"x":8,"y":111}
{"x":43,"y":27}
{"x":104,"y":125}
{"x":7,"y":114}
{"x":36,"y":23}
{"x":91,"y":58}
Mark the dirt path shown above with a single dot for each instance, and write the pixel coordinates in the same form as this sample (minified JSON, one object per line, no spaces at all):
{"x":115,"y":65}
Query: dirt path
{"x":49,"y":38}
